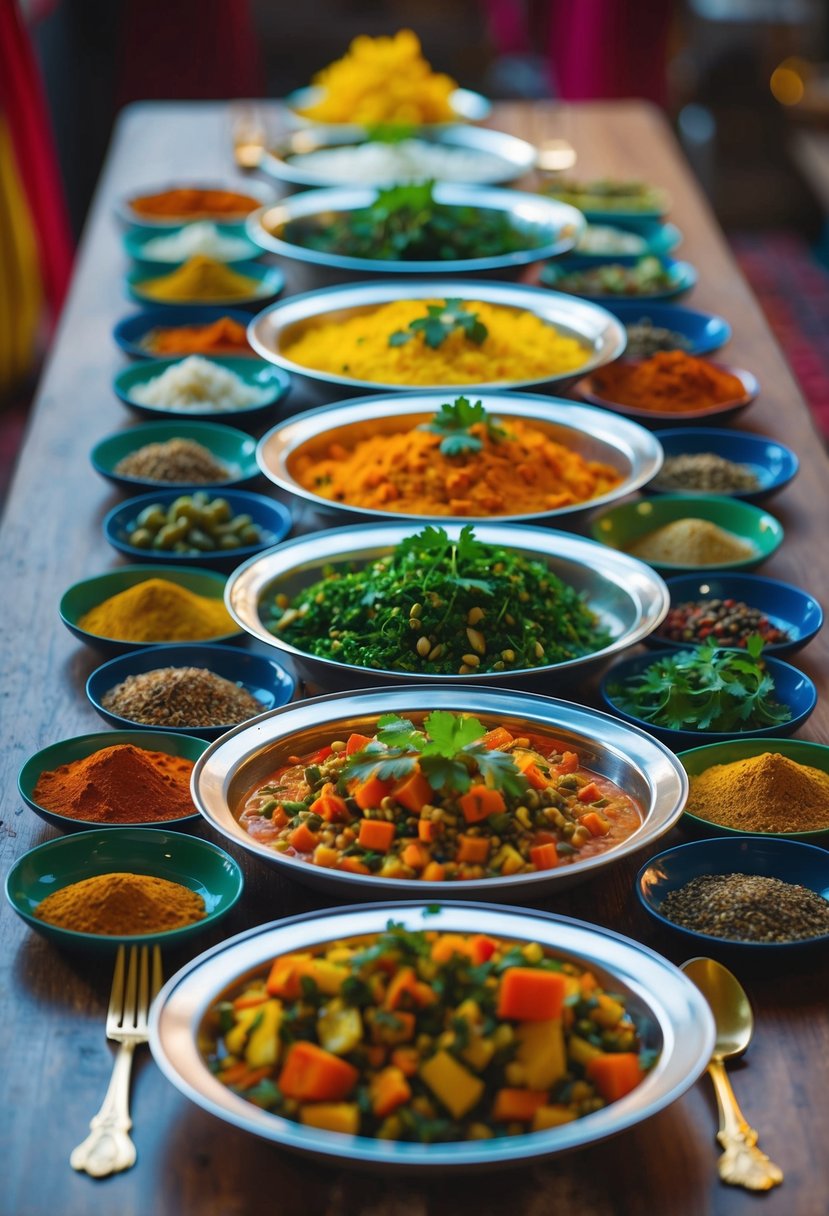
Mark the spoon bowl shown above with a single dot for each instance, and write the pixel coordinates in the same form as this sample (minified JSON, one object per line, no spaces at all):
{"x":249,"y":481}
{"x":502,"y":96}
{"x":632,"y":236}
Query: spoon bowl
{"x":729,"y":1004}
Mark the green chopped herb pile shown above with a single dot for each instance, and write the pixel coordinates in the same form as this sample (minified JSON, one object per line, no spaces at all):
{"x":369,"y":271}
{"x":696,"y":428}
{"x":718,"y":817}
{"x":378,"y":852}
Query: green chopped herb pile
{"x":404,"y":223}
{"x":706,"y":688}
{"x":441,"y":607}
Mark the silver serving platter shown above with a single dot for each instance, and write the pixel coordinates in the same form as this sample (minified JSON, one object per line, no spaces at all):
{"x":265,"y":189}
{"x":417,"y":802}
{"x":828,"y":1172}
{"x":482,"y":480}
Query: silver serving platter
{"x":593,"y":433}
{"x":232,"y":767}
{"x":559,"y":224}
{"x":519,"y":157}
{"x":271,"y":330}
{"x":468,"y":106}
{"x":671,"y":1014}
{"x":262,"y":191}
{"x":627,"y":595}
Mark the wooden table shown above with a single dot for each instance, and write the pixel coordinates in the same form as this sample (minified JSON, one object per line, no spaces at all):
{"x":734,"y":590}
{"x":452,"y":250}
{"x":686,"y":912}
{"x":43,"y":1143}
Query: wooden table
{"x":57,"y":1063}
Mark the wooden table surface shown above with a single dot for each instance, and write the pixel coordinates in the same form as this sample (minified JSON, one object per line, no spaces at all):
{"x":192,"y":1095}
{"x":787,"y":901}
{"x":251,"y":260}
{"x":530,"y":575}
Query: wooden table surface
{"x":57,"y":1062}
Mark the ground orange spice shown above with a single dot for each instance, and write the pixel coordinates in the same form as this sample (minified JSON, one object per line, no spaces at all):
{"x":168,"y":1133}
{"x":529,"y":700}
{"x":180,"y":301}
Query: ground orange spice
{"x":670,"y":381}
{"x":223,"y":336}
{"x":191,"y":203}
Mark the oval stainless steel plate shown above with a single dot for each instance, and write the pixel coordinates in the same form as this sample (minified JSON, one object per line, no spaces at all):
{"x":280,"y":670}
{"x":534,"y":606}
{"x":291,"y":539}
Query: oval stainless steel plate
{"x":672,"y":1016}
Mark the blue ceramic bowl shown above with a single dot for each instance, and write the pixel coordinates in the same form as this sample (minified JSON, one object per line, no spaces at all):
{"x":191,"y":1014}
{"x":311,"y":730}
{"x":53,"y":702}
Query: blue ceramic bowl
{"x":176,"y":856}
{"x":136,"y":240}
{"x":683,"y":277}
{"x":791,"y":687}
{"x":269,"y":682}
{"x":787,"y":860}
{"x":786,"y":606}
{"x":660,"y":239}
{"x":81,"y":597}
{"x":70,"y":750}
{"x":235,"y":449}
{"x":269,"y":283}
{"x":773,"y":464}
{"x":271,"y":517}
{"x":131,"y":331}
{"x":272,"y":381}
{"x":704,"y":330}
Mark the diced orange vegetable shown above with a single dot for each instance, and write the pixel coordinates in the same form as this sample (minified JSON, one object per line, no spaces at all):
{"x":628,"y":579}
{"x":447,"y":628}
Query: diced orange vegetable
{"x":480,"y":801}
{"x":279,"y":817}
{"x":588,"y":982}
{"x":413,"y":793}
{"x":402,"y":984}
{"x":589,"y":792}
{"x":416,"y":856}
{"x":376,"y":1055}
{"x":325,"y":856}
{"x":481,"y":948}
{"x":568,"y":764}
{"x":322,"y":754}
{"x":254,"y":1076}
{"x":388,"y":1090}
{"x":528,"y":768}
{"x":329,"y":805}
{"x":303,"y":839}
{"x":595,"y":824}
{"x":376,"y":834}
{"x":311,"y":1074}
{"x":544,"y":856}
{"x":406,"y":1059}
{"x":250,"y":1000}
{"x":497,"y":739}
{"x":434,"y":872}
{"x":401,"y":1032}
{"x":370,"y":793}
{"x":517,"y":1105}
{"x":447,"y":945}
{"x":428,"y":830}
{"x":356,"y":743}
{"x":614,"y":1074}
{"x":530,"y":995}
{"x":353,"y":865}
{"x":474,"y":849}
{"x":285,"y":974}
{"x":235,"y":1073}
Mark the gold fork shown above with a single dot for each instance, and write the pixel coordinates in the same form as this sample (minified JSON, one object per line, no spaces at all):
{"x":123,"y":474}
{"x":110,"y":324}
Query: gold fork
{"x":108,"y":1147}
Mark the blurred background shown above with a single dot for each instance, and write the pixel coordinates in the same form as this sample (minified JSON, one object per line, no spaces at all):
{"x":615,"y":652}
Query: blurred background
{"x":745,"y":84}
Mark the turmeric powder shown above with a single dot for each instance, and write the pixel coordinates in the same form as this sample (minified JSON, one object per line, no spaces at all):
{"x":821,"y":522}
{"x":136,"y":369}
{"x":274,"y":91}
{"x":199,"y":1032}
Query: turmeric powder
{"x":201,"y":280}
{"x":765,"y":793}
{"x":158,"y":611}
{"x":122,"y":905}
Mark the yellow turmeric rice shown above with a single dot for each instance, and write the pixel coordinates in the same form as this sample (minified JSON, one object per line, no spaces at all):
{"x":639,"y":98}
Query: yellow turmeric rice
{"x":518,"y":346}
{"x":520,"y":474}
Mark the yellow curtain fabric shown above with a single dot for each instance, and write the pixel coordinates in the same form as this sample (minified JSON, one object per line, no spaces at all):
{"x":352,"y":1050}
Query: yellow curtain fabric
{"x":21,"y":291}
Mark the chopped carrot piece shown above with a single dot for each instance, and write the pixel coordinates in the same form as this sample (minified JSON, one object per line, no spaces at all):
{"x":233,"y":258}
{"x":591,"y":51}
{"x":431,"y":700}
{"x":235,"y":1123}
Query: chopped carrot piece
{"x":402,"y":984}
{"x":481,"y":948}
{"x":474,"y":849}
{"x":312,"y":1074}
{"x":415,"y":856}
{"x":303,"y":839}
{"x":285,"y":974}
{"x":434,"y":872}
{"x":588,"y":982}
{"x":568,"y":764}
{"x":402,"y":1031}
{"x":589,"y":792}
{"x":356,"y":743}
{"x":388,"y":1090}
{"x":517,"y":1105}
{"x":235,"y":1073}
{"x":544,"y":856}
{"x":413,"y":793}
{"x":480,"y":801}
{"x":254,"y":1076}
{"x":497,"y":739}
{"x":329,"y":805}
{"x":428,"y":830}
{"x":447,"y":945}
{"x":614,"y":1074}
{"x":370,"y":793}
{"x":353,"y":865}
{"x":279,"y":817}
{"x":250,"y":1001}
{"x":595,"y":824}
{"x":376,"y":1055}
{"x":406,"y":1059}
{"x":530,"y":995}
{"x":529,"y":769}
{"x":376,"y":834}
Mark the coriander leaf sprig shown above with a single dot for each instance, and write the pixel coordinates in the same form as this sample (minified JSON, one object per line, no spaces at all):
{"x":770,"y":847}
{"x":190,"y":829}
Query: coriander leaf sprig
{"x":440,"y":321}
{"x":454,"y":421}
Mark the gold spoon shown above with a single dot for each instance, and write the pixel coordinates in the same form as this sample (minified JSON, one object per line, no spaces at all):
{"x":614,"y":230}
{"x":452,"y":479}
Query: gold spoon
{"x":742,"y":1163}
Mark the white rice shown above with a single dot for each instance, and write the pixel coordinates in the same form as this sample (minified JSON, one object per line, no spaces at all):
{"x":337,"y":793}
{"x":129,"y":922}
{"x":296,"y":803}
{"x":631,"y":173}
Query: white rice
{"x":375,"y":163}
{"x":193,"y":239}
{"x":602,"y":238}
{"x":197,"y":385}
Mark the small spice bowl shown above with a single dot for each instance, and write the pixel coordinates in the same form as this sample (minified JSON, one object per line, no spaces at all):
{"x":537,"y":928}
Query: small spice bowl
{"x":772,"y":463}
{"x":791,"y":687}
{"x":81,"y":597}
{"x":271,"y":518}
{"x":131,"y":332}
{"x":788,"y":860}
{"x":269,"y":282}
{"x":682,"y":277}
{"x":195,"y":863}
{"x":699,"y":759}
{"x":785,"y":606}
{"x":704,"y":330}
{"x":273,"y":382}
{"x":70,"y":750}
{"x":588,"y":389}
{"x":621,"y":526}
{"x":262,"y":677}
{"x":234,"y":449}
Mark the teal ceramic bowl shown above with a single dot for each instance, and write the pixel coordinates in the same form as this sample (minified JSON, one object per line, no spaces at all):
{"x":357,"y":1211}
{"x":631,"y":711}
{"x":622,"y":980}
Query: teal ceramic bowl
{"x":698,"y":759}
{"x":189,"y":860}
{"x":234,"y":449}
{"x":89,"y":592}
{"x":657,"y":238}
{"x":681,"y":278}
{"x":269,"y":283}
{"x":136,"y":241}
{"x":69,"y":750}
{"x":272,"y":383}
{"x":621,"y":526}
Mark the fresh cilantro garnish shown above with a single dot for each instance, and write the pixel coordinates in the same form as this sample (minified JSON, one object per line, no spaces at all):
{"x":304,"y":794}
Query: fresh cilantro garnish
{"x":390,"y":132}
{"x":707,"y":688}
{"x":454,"y":421}
{"x":440,"y":321}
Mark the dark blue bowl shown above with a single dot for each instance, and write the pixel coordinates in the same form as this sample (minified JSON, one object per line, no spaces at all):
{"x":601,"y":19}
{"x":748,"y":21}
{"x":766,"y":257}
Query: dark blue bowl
{"x":130,"y":331}
{"x":263,"y":677}
{"x":272,"y":518}
{"x":791,"y":687}
{"x":704,"y":330}
{"x":786,"y":606}
{"x":773,"y":464}
{"x":683,"y":276}
{"x":787,"y":860}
